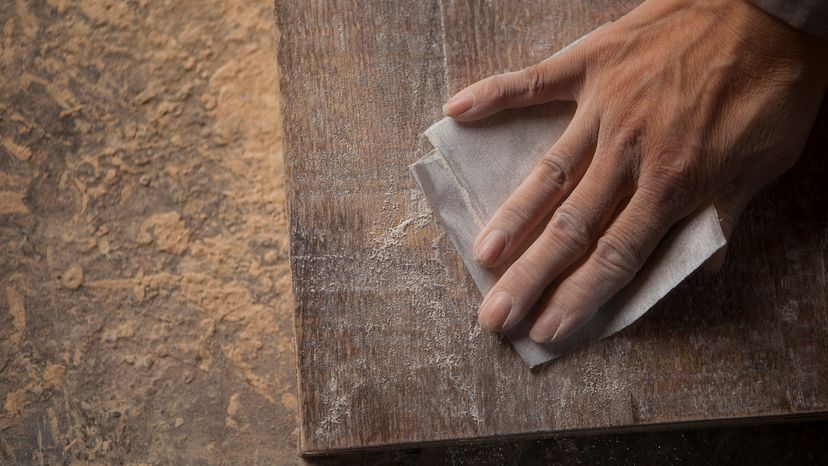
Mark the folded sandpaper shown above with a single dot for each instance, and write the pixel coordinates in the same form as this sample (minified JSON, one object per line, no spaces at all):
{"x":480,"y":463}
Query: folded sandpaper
{"x":475,"y":166}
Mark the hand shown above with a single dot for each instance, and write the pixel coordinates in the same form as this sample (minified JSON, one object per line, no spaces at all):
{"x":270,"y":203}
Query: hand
{"x":680,"y":102}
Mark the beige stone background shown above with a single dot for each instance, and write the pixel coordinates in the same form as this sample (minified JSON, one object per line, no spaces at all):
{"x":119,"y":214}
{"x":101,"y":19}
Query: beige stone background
{"x":145,"y":306}
{"x":144,"y":281}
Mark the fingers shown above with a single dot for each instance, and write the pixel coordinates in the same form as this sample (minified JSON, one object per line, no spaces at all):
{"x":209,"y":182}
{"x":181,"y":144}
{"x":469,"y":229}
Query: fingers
{"x":555,"y":175}
{"x":549,"y":80}
{"x":617,"y":257}
{"x":569,"y":235}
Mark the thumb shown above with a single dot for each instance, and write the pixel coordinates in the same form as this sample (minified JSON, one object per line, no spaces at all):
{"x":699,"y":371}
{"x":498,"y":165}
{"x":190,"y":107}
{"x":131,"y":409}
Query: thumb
{"x":549,"y":80}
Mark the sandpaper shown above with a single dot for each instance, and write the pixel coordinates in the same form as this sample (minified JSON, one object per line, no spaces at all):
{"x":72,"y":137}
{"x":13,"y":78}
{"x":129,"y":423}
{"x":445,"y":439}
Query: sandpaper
{"x":475,"y":166}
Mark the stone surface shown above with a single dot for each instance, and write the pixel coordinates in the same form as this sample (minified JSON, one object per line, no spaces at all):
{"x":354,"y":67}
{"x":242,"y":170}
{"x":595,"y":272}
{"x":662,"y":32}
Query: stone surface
{"x":145,"y":310}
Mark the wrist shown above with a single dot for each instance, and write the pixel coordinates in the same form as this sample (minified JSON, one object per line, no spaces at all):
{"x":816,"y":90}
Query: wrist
{"x":772,"y":47}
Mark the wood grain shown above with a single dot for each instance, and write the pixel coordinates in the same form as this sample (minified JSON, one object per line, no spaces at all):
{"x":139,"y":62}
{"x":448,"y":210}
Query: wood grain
{"x":389,"y":351}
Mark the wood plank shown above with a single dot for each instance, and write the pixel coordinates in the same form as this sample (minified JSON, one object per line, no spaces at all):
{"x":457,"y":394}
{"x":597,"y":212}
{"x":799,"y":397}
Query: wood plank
{"x":389,"y":351}
{"x":360,"y":81}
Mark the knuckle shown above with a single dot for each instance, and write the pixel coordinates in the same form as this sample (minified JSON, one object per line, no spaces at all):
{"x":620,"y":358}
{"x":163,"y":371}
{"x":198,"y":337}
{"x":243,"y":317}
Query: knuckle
{"x":674,"y":173}
{"x":576,"y":292}
{"x":571,"y":229}
{"x":495,"y":86}
{"x":615,"y":257}
{"x":514,"y":83}
{"x":532,"y":78}
{"x":672,"y":187}
{"x":551,"y":172}
{"x":601,"y":44}
{"x":662,"y":207}
{"x":629,"y":125}
{"x":524,"y":272}
{"x":675,"y":168}
{"x":514,"y":213}
{"x":632,"y":137}
{"x":624,"y":143}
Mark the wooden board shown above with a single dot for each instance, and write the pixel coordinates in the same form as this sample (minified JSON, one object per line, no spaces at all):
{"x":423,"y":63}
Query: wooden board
{"x":389,"y":351}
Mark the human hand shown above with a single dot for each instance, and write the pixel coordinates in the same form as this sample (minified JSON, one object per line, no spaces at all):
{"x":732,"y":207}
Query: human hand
{"x":680,"y":102}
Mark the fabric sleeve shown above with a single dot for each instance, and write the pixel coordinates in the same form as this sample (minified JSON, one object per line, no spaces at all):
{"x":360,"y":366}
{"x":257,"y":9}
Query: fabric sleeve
{"x":810,"y":16}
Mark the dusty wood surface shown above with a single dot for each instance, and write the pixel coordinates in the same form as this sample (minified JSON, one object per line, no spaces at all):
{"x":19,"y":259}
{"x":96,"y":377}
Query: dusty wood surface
{"x":388,"y":347}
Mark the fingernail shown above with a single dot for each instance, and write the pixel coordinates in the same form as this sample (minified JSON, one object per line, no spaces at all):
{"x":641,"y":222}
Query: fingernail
{"x":458,"y":104}
{"x":511,"y":321}
{"x":490,"y":247}
{"x":565,"y":329}
{"x":495,"y":310}
{"x":546,"y":330}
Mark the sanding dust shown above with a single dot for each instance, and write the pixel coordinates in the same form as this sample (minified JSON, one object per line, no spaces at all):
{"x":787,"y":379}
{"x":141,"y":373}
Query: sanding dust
{"x":403,"y":220}
{"x":336,"y":406}
{"x":12,"y":203}
{"x":167,"y":230}
{"x":73,"y":277}
{"x":18,"y":313}
{"x":142,"y":205}
{"x":233,"y":407}
{"x":15,"y":402}
{"x":21,"y":152}
{"x":53,"y":375}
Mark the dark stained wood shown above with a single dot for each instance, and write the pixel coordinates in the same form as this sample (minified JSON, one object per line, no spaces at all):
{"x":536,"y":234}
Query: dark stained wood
{"x":388,"y":347}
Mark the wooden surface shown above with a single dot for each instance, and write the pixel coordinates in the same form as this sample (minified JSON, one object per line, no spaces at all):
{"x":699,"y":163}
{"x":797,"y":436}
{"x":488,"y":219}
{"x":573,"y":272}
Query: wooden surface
{"x":388,"y":347}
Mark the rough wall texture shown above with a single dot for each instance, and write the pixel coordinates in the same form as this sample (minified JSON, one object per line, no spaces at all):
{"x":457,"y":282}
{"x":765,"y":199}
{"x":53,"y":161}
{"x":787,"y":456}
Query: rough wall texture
{"x":145,"y":314}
